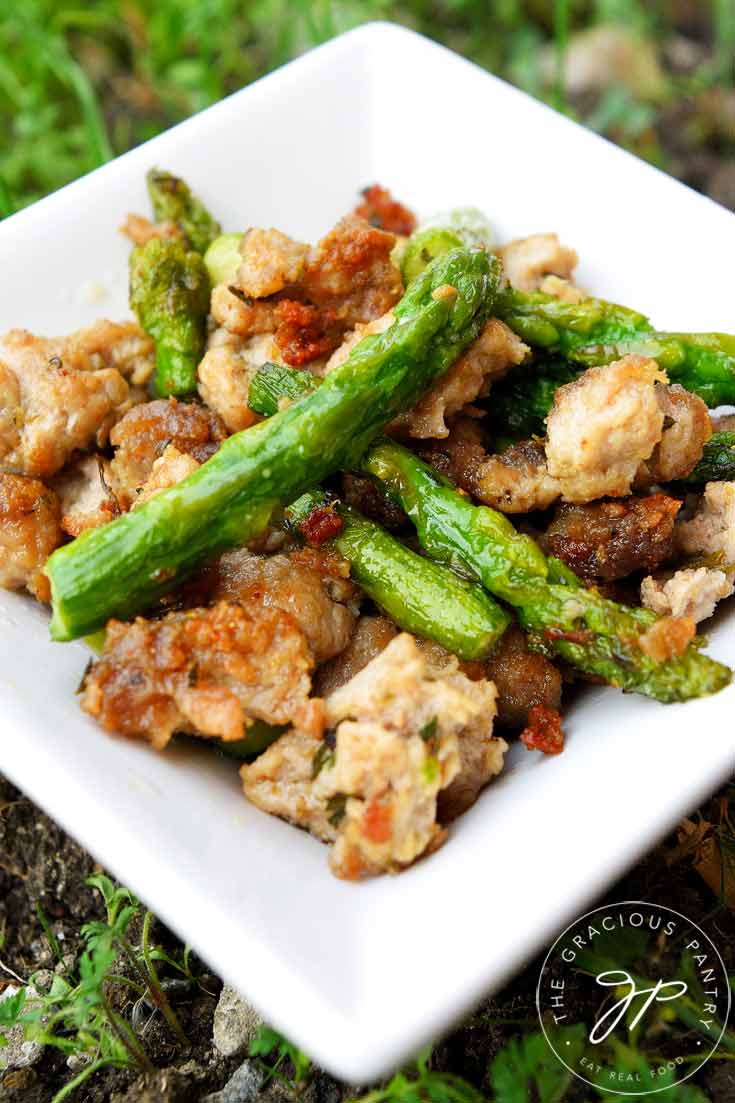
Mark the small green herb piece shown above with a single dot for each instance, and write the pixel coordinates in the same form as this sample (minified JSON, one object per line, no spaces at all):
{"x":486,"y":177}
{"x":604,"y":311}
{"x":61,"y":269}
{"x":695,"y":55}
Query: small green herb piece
{"x":429,"y":730}
{"x":336,"y":808}
{"x":430,"y":770}
{"x":324,"y":757}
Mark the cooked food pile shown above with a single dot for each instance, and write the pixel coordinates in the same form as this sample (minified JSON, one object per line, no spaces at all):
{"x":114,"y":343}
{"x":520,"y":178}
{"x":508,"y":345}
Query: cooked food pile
{"x":357,"y":512}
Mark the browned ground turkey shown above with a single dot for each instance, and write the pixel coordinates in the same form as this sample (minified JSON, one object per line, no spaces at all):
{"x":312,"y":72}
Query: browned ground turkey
{"x":371,"y":636}
{"x":609,"y":540}
{"x":363,"y":494}
{"x":282,"y":582}
{"x":523,"y":679}
{"x":30,"y":529}
{"x":141,"y":436}
{"x":380,"y":209}
{"x":205,"y":671}
{"x":350,"y":274}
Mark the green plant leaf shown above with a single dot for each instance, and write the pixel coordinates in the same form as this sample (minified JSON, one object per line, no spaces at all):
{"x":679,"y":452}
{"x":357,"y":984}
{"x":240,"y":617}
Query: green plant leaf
{"x":11,"y":1008}
{"x":528,"y":1071}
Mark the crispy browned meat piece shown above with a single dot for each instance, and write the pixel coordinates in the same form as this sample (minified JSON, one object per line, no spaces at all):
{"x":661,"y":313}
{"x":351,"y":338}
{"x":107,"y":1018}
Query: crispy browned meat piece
{"x":350,"y":274}
{"x":687,"y":428}
{"x":281,"y":782}
{"x":380,"y":209}
{"x":668,"y":638}
{"x":205,"y":671}
{"x":460,"y":455}
{"x":139,"y":229}
{"x":363,"y":494}
{"x":372,"y":634}
{"x":123,"y":346}
{"x":544,"y":732}
{"x":611,"y":539}
{"x":490,"y":357}
{"x":612,"y":428}
{"x":240,"y":315}
{"x":144,"y":433}
{"x":400,"y":725}
{"x":304,"y":333}
{"x":409,"y":744}
{"x":602,"y":426}
{"x":481,"y":753}
{"x":282,"y":582}
{"x":523,"y":679}
{"x":308,"y":298}
{"x":529,"y":261}
{"x":170,"y":468}
{"x":84,"y":492}
{"x":690,"y":592}
{"x":60,"y":395}
{"x":711,"y":530}
{"x":271,"y":262}
{"x":226,"y":372}
{"x":29,"y":531}
{"x":515,"y":481}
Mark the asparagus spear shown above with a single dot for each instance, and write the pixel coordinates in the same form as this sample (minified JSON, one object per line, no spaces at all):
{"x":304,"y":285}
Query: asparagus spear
{"x":519,"y":404}
{"x":423,"y":246}
{"x":272,"y":382}
{"x":173,"y":202}
{"x":598,"y":332}
{"x":169,"y":292}
{"x":223,"y":258}
{"x":590,"y":632}
{"x":717,"y":462}
{"x":122,"y":567}
{"x":421,"y":596}
{"x":258,"y":736}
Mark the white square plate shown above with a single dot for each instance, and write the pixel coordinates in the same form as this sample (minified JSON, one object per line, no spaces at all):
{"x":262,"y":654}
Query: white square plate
{"x":361,"y":975}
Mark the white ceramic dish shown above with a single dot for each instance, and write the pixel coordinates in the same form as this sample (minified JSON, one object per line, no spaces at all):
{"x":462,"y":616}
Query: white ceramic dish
{"x":361,"y":975}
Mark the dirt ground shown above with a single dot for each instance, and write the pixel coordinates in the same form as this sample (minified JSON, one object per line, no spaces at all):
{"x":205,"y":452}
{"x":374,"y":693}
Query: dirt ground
{"x":42,"y":866}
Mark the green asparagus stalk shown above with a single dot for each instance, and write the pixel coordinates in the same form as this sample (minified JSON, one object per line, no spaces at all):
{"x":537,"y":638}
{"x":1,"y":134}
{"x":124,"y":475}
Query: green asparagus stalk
{"x":588,"y":631}
{"x":717,"y":462}
{"x":471,"y":225}
{"x":124,"y":566}
{"x":598,"y":332}
{"x":595,"y":331}
{"x":223,"y":258}
{"x":258,"y":737}
{"x":421,"y":596}
{"x":169,"y":292}
{"x":173,"y":202}
{"x":423,"y":246}
{"x":548,"y":597}
{"x":519,"y":404}
{"x":272,"y":382}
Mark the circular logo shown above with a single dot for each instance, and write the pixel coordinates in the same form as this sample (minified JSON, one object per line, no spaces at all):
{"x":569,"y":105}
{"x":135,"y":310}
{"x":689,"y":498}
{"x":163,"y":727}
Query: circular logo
{"x":633,"y":998}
